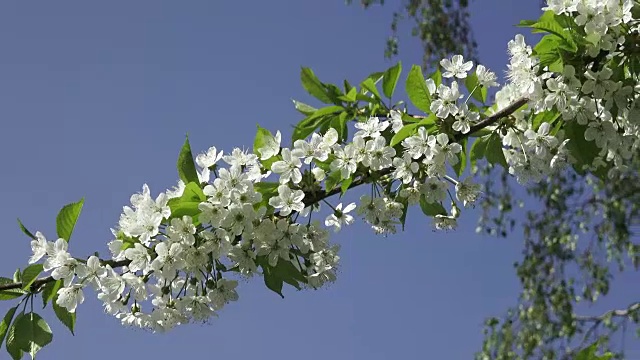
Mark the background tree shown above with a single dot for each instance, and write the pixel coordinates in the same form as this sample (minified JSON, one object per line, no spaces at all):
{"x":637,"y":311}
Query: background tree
{"x":441,"y":26}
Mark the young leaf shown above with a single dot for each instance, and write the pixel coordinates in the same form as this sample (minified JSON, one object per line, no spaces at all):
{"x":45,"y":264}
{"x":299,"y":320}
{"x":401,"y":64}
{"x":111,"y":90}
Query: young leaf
{"x":273,"y":282}
{"x":390,"y":79}
{"x":67,"y":318}
{"x":4,"y":325}
{"x":431,"y":209}
{"x":303,"y":108}
{"x":370,"y":86}
{"x":268,"y":190}
{"x":333,"y":179}
{"x":32,"y":333}
{"x":188,"y":203}
{"x":186,"y":167}
{"x":494,"y":153}
{"x":405,"y":209}
{"x":350,"y":96}
{"x":30,"y":274}
{"x":25,"y":230}
{"x":17,"y":275}
{"x":344,"y":187}
{"x":49,"y":291}
{"x":477,"y":151}
{"x":263,"y":138}
{"x":404,"y":133}
{"x":472,"y":84}
{"x":416,"y":88}
{"x":313,"y":86}
{"x":13,"y":346}
{"x":462,"y":159}
{"x":315,"y":121}
{"x":436,"y":76}
{"x":67,"y":218}
{"x":582,"y":150}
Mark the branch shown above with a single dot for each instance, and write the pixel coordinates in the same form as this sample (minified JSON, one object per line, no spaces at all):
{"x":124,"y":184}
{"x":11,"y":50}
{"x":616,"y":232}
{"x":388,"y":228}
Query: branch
{"x":42,"y":281}
{"x":510,"y":109}
{"x":313,"y":198}
{"x":611,"y":313}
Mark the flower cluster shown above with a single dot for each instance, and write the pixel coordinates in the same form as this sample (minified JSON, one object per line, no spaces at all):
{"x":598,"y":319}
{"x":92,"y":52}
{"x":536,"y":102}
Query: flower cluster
{"x":602,"y":103}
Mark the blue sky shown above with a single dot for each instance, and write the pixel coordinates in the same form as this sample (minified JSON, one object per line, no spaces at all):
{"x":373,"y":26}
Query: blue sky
{"x":96,"y":99}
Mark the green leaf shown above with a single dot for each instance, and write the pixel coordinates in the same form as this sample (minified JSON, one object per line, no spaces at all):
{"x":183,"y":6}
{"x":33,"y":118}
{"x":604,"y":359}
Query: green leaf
{"x":416,"y":88}
{"x":30,"y":274}
{"x":328,"y":110}
{"x":67,"y":318}
{"x":9,"y":294}
{"x":494,"y":153}
{"x":472,"y":84}
{"x":554,"y":28}
{"x":350,"y":96}
{"x":303,"y":108}
{"x":583,"y":151}
{"x":405,"y":210}
{"x":334,"y":93}
{"x":436,"y":76}
{"x":370,"y":86}
{"x":283,"y":272}
{"x":268,"y":190}
{"x":186,"y":167}
{"x":477,"y":151}
{"x":431,"y":209}
{"x":545,"y":116}
{"x":554,"y":24}
{"x":390,"y":79}
{"x":25,"y":230}
{"x":32,"y":333}
{"x":313,"y":86}
{"x":315,"y":121}
{"x":376,"y":76}
{"x":13,"y":347}
{"x":404,"y":133}
{"x":547,"y":50}
{"x":67,"y":218}
{"x":344,"y":187}
{"x":49,"y":291}
{"x":6,"y":321}
{"x":332,"y":180}
{"x":588,"y":353}
{"x":263,"y":136}
{"x":340,"y":124}
{"x":462,"y":158}
{"x":187,"y":204}
{"x":347,"y":86}
{"x":17,"y":275}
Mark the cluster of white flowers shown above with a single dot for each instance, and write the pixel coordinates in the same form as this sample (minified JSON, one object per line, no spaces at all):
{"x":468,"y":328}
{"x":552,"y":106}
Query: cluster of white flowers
{"x":609,"y":109}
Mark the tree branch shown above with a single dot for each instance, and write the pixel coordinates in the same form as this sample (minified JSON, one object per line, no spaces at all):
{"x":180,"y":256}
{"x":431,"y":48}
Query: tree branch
{"x":314,"y":198}
{"x":42,"y":281}
{"x":611,"y":313}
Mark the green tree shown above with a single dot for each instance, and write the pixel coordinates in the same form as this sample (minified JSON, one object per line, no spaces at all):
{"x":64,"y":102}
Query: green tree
{"x":442,"y":27}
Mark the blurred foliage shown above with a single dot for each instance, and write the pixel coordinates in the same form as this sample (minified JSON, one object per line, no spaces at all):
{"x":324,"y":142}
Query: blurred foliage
{"x":441,"y":25}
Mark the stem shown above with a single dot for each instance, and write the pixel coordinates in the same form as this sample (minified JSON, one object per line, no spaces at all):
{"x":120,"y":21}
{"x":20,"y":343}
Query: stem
{"x":42,"y":281}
